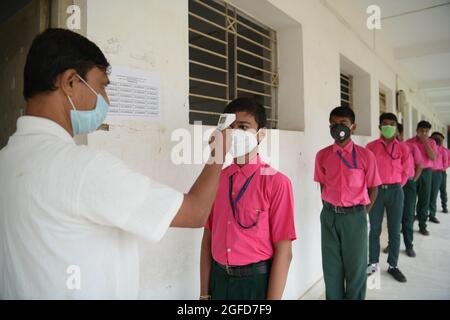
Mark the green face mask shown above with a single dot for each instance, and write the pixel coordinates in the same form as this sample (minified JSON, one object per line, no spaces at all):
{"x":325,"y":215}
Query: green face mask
{"x":388,"y":131}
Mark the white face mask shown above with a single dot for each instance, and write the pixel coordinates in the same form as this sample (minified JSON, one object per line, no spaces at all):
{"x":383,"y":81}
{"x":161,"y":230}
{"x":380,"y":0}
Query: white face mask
{"x":242,"y":142}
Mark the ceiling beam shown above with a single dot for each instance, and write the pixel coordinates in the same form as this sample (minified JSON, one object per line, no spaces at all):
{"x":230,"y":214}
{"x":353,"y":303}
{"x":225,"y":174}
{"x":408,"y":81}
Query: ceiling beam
{"x":422,"y":49}
{"x":434,"y":84}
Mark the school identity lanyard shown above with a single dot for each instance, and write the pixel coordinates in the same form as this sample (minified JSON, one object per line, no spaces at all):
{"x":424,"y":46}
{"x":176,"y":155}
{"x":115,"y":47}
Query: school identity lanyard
{"x":239,"y":196}
{"x":348,"y":165}
{"x":392,"y":151}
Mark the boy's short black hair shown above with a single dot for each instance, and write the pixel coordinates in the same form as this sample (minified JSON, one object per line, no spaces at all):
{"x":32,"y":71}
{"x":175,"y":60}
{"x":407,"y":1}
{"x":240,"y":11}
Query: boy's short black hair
{"x":424,"y":124}
{"x":250,"y":106}
{"x":344,"y":112}
{"x":388,"y":116}
{"x":53,"y":52}
{"x":436,"y":133}
{"x":400,"y":128}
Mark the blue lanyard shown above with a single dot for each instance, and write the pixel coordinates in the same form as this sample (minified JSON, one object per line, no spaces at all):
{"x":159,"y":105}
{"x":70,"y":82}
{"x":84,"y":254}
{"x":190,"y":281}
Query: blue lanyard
{"x":348,"y":165}
{"x":392,"y":151}
{"x":239,"y":196}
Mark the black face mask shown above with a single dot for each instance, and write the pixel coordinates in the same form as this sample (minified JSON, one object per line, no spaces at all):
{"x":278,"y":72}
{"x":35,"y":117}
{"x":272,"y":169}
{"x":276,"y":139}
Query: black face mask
{"x":438,"y":141}
{"x":339,"y":132}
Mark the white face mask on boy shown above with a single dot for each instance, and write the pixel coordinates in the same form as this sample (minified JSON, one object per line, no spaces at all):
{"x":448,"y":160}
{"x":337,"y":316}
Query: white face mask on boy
{"x":242,"y":142}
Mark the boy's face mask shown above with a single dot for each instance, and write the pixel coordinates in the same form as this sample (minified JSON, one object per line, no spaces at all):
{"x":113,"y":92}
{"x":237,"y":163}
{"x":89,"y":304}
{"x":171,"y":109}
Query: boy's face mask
{"x":438,"y":140}
{"x":388,"y":131}
{"x":242,"y":142}
{"x":83,"y":121}
{"x":340,"y":132}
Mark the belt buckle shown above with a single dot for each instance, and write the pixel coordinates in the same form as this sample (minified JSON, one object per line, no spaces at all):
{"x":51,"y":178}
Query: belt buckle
{"x":227,"y":269}
{"x":338,"y":210}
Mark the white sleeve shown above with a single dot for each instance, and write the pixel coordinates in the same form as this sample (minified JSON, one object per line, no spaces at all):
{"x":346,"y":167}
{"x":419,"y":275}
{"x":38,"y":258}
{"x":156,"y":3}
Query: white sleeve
{"x":111,"y":194}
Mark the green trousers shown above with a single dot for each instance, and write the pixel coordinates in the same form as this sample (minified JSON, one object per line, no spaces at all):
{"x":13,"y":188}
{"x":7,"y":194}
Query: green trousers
{"x":443,"y":190}
{"x":409,"y":206}
{"x":225,"y":287}
{"x":344,"y":254}
{"x":423,"y":197}
{"x":436,"y":180}
{"x":391,"y":200}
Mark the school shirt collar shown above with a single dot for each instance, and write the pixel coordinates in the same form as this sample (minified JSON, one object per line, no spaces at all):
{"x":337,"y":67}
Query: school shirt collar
{"x":381,"y":140}
{"x":348,"y":148}
{"x":30,"y":125}
{"x":248,"y":169}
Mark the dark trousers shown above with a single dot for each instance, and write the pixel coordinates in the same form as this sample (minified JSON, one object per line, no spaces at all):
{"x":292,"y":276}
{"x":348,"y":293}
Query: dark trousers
{"x":225,"y":287}
{"x":436,"y":180}
{"x":392,"y":200}
{"x":423,"y":197}
{"x":443,"y":190}
{"x":344,"y":254}
{"x":410,"y":193}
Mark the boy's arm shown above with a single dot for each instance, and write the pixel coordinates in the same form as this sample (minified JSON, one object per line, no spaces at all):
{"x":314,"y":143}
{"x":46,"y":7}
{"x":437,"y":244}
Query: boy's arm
{"x":205,"y":263}
{"x":279,"y":271}
{"x":428,"y":147}
{"x":373,"y":193}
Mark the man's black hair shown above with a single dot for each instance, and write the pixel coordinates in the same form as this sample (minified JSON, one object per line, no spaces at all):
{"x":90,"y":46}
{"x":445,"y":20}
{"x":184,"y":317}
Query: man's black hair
{"x":250,"y":106}
{"x":388,"y":116}
{"x":344,"y":112}
{"x":55,"y":51}
{"x":436,"y":133}
{"x":400,"y":128}
{"x":424,"y":124}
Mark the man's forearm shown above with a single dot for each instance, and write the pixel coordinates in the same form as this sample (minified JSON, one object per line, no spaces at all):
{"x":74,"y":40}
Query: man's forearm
{"x":419,"y":170}
{"x":278,"y":274}
{"x":431,"y":154}
{"x":205,"y":265}
{"x":373,"y":193}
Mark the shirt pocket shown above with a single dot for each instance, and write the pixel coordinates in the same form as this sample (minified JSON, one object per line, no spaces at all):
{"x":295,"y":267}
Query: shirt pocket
{"x":397,"y":165}
{"x":356,"y":178}
{"x":249,"y":215}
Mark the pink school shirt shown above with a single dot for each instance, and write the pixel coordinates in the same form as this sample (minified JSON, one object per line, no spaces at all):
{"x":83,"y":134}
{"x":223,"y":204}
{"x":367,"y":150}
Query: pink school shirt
{"x":414,"y":160}
{"x":269,"y":195}
{"x":343,"y":186}
{"x":441,"y":161}
{"x":392,"y":160}
{"x":427,"y":162}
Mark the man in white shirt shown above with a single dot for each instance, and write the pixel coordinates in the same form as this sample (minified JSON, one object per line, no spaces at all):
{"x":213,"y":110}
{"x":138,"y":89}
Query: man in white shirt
{"x":70,"y":215}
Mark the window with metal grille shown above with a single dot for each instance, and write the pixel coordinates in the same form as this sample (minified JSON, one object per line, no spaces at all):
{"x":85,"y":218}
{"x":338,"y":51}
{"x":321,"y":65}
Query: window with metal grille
{"x":230,"y":56}
{"x":383,"y":107}
{"x":346,"y":90}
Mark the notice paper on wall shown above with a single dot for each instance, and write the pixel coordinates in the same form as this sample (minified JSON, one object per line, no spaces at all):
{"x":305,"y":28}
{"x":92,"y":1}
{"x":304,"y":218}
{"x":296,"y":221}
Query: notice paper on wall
{"x":133,"y":93}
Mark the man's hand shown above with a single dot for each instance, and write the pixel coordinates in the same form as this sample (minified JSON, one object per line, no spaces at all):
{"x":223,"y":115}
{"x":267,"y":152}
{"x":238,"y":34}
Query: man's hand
{"x":197,"y":203}
{"x":220,"y":143}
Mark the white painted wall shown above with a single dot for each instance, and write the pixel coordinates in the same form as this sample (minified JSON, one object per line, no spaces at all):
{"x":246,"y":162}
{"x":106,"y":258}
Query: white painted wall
{"x":152,"y":35}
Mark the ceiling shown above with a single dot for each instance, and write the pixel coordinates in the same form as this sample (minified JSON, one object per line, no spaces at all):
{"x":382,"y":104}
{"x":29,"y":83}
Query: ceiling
{"x":419,"y":32}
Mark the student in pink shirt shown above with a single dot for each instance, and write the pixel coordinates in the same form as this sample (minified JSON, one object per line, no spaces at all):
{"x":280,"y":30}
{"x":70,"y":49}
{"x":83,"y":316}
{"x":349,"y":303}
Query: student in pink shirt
{"x":414,"y":169}
{"x":443,"y":187}
{"x":440,"y":165}
{"x":427,"y":148}
{"x":246,"y":247}
{"x":349,"y":181}
{"x":392,"y":162}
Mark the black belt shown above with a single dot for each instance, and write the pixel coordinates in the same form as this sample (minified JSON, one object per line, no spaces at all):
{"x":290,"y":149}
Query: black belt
{"x":390,"y":186}
{"x":343,"y":210}
{"x":262,"y":267}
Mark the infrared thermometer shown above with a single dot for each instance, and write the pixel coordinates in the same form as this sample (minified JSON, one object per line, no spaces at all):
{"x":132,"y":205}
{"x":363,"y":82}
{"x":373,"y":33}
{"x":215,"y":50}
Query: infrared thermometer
{"x":225,"y":121}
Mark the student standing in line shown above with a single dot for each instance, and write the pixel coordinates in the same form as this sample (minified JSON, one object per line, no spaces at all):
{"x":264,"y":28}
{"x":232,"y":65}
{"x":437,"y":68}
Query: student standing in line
{"x":348,"y":178}
{"x":246,"y":248}
{"x":443,"y":187}
{"x":439,"y":167}
{"x":392,"y":158}
{"x":414,"y":169}
{"x":427,"y":148}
